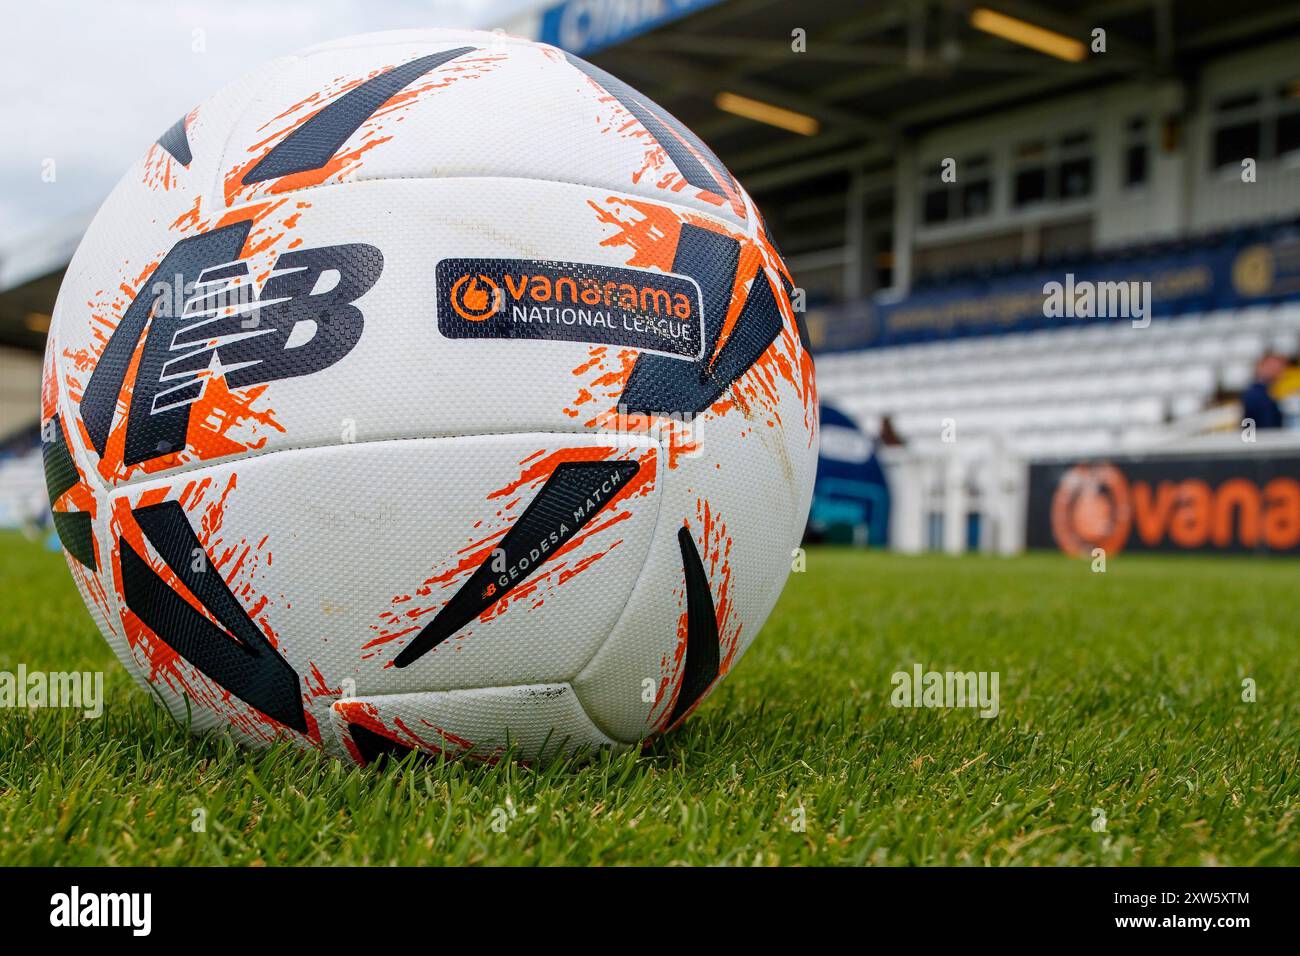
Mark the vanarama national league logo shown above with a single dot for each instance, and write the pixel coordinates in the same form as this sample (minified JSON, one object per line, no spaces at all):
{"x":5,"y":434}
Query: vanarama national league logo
{"x":570,"y":301}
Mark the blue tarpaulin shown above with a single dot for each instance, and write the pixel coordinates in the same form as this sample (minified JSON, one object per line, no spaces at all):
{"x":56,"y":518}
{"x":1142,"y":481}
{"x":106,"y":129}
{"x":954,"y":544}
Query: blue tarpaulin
{"x":850,"y":496}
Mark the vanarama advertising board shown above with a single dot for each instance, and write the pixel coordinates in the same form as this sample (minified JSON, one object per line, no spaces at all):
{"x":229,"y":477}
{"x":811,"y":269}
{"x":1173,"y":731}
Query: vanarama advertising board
{"x":1192,"y":503}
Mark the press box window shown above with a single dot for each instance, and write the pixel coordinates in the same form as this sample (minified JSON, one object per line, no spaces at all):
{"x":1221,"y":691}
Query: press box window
{"x":1030,"y":181}
{"x":970,"y":197}
{"x":1288,"y":121}
{"x":1052,"y":170}
{"x":977,"y":192}
{"x":1262,"y":125}
{"x":1238,"y":130}
{"x":1137,"y":152}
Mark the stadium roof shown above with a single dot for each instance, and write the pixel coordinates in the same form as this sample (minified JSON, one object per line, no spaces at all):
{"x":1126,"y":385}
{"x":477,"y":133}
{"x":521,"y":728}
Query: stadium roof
{"x":872,"y":72}
{"x":870,"y":75}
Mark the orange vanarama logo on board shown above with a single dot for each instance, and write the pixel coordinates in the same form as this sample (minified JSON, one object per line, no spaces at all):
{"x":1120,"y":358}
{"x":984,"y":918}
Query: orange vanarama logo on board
{"x":1091,"y":509}
{"x":1097,"y":506}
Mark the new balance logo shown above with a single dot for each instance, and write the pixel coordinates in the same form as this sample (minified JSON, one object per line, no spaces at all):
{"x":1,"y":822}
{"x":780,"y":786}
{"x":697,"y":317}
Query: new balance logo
{"x":202,"y":317}
{"x":220,"y":293}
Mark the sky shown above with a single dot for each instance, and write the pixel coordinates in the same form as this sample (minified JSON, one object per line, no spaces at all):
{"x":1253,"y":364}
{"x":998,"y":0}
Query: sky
{"x":90,"y":84}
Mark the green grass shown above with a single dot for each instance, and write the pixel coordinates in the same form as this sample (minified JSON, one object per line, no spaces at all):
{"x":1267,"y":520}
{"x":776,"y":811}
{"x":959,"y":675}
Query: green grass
{"x":1120,"y":691}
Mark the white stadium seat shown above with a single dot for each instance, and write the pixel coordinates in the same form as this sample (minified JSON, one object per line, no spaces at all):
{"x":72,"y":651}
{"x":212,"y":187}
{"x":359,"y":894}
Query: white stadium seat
{"x":1060,"y":391}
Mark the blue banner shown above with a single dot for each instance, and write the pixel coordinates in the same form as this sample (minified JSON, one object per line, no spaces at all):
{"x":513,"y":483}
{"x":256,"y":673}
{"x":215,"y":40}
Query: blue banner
{"x":585,"y":26}
{"x":1246,"y":268}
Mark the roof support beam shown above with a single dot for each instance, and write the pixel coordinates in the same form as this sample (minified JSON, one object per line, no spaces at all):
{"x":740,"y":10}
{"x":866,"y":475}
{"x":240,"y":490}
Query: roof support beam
{"x":1237,"y":27}
{"x":820,"y":166}
{"x":677,"y":73}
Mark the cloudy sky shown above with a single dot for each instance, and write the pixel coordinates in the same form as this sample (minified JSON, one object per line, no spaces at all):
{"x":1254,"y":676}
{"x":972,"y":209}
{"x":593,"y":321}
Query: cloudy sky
{"x":91,"y":83}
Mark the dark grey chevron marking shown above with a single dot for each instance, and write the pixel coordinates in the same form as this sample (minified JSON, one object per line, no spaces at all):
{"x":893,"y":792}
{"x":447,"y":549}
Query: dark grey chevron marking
{"x":660,"y":385}
{"x":177,"y":143}
{"x":573,"y":495}
{"x":72,"y":527}
{"x":668,"y":131}
{"x":374,"y":746}
{"x":239,"y":658}
{"x":60,"y":470}
{"x":312,"y":144}
{"x":703,"y":655}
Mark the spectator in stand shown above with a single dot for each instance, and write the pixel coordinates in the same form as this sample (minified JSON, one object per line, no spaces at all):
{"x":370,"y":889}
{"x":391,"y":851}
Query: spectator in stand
{"x":888,"y":436}
{"x":1286,"y":391}
{"x":1257,"y":403}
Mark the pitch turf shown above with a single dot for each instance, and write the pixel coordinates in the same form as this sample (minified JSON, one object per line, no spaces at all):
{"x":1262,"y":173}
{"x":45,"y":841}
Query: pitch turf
{"x":1119,"y":691}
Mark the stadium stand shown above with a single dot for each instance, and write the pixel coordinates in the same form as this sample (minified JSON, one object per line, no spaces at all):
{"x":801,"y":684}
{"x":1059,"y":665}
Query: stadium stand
{"x":23,"y":501}
{"x":22,"y":483}
{"x":926,"y":178}
{"x":1067,"y":391}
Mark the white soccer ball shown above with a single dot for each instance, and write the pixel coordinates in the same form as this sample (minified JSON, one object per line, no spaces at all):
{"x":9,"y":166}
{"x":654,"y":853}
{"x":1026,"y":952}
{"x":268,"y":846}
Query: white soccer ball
{"x":434,"y":390}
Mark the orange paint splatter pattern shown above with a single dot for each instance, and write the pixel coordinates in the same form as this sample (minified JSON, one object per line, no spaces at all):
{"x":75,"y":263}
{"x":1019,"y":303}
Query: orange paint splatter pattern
{"x":430,"y":739}
{"x":650,"y":233}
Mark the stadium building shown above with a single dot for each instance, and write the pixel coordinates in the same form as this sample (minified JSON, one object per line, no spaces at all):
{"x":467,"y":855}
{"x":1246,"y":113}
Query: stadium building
{"x":1042,"y":249}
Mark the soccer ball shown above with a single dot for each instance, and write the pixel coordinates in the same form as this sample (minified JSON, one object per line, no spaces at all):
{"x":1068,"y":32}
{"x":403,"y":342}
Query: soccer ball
{"x":429,"y":390}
